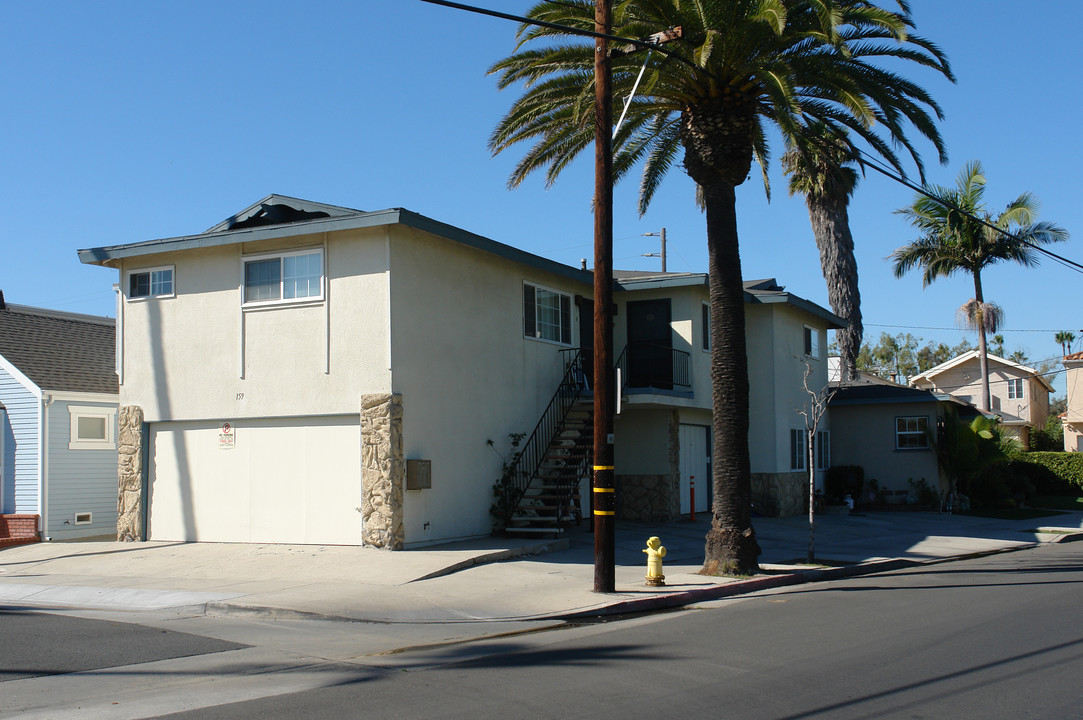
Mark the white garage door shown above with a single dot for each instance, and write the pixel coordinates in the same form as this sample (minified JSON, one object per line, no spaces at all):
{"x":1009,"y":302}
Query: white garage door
{"x":281,"y":481}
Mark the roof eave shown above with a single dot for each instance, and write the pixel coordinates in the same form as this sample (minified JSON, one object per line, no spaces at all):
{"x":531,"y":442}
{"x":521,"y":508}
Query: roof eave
{"x":110,"y":255}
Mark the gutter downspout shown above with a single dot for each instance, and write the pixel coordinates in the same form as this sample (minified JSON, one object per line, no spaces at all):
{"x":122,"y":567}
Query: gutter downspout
{"x":43,"y":502}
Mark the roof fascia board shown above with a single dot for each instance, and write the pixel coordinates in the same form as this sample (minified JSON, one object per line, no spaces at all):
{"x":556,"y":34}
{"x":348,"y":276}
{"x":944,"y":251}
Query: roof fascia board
{"x":693,"y":280}
{"x":834,"y":322}
{"x":882,"y":401}
{"x":106,"y":255}
{"x":71,"y":396}
{"x":20,"y":378}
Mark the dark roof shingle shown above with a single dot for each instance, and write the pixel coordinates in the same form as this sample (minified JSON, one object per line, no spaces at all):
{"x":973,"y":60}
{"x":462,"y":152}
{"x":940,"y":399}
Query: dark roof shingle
{"x":60,"y":351}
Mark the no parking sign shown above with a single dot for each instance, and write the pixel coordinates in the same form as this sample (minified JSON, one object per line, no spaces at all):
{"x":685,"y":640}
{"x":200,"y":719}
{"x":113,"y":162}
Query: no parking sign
{"x":226,"y":437}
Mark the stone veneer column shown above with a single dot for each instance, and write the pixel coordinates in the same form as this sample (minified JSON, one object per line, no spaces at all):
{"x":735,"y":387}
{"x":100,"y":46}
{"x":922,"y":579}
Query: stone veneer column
{"x":673,"y":489}
{"x":130,"y":474}
{"x":383,"y":470}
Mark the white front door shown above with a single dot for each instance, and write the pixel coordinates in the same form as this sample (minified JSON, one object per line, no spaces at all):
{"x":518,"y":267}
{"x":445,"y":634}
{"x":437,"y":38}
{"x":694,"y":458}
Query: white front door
{"x":695,"y":467}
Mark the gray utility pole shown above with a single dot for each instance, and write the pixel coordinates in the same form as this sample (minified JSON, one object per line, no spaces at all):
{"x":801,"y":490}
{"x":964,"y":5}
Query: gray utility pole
{"x":663,"y":253}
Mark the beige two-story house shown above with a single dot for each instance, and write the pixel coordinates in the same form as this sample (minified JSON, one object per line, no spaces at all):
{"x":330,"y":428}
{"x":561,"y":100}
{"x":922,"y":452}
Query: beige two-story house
{"x":309,"y":373}
{"x":1019,"y":394}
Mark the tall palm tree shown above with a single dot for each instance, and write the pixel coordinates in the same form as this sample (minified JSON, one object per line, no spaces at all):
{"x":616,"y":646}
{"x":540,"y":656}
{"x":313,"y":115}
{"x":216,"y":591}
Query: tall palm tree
{"x":954,"y":240}
{"x":741,"y":66}
{"x":824,"y":174}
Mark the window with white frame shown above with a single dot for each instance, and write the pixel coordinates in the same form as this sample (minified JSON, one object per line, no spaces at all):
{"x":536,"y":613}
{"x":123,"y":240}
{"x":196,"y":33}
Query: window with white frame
{"x":812,"y":342}
{"x":92,"y":427}
{"x":1015,"y":389}
{"x":547,"y":314}
{"x":823,"y":450}
{"x":284,"y":277}
{"x":912,"y":433}
{"x":150,"y":283}
{"x":798,"y":448}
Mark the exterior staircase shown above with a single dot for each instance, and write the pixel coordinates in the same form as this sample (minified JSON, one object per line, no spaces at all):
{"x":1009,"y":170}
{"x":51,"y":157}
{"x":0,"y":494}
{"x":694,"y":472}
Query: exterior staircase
{"x":540,"y":490}
{"x":552,"y":500}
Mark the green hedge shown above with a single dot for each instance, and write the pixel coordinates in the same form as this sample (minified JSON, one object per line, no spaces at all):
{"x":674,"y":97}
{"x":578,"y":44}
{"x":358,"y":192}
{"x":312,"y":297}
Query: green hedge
{"x":1052,"y":473}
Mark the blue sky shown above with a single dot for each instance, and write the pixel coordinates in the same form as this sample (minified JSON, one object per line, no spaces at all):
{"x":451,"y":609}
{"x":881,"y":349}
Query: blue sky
{"x":127,"y":121}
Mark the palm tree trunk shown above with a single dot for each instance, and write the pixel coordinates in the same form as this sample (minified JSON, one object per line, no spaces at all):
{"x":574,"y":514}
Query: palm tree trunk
{"x":731,"y":542}
{"x":983,"y":348}
{"x":831,"y":228}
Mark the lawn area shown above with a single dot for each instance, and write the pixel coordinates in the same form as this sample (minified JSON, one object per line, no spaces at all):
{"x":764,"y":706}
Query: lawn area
{"x":1057,"y":502}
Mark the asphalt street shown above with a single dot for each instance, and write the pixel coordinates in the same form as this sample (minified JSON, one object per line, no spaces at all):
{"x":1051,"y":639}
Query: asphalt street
{"x":988,"y":637}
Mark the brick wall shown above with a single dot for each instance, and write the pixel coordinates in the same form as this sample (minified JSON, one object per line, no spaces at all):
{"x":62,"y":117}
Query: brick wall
{"x":18,"y":530}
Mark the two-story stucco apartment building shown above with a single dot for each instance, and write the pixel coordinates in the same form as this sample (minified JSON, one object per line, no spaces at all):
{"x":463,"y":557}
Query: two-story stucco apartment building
{"x":308,"y":373}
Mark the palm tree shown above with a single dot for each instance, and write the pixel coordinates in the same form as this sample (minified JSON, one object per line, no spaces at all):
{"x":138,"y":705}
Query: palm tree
{"x":740,"y":67}
{"x":954,"y":239}
{"x":824,"y":175}
{"x":1065,"y":339}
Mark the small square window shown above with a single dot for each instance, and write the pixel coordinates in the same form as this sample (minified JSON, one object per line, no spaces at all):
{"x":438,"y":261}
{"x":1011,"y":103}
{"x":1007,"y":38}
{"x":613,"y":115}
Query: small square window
{"x":153,"y":282}
{"x":92,"y":428}
{"x":912,"y":433}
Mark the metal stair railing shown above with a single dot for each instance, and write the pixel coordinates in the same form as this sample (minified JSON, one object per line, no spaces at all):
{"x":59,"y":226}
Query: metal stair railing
{"x":666,"y":363}
{"x":527,"y":461}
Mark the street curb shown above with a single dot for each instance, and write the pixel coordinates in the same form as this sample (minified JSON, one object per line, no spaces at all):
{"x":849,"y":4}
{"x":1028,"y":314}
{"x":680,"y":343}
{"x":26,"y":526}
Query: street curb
{"x":648,"y":604}
{"x":498,"y":556}
{"x":737,"y":587}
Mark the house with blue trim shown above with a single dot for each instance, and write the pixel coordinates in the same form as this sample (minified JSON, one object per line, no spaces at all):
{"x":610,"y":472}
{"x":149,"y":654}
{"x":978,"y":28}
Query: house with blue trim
{"x":58,"y":424}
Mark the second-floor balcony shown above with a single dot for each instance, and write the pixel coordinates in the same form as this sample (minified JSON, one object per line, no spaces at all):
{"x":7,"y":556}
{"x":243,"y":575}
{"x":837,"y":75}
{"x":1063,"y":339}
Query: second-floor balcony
{"x":655,"y":368}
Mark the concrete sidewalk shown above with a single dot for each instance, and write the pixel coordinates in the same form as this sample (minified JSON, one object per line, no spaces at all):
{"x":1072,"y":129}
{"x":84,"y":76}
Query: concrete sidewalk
{"x":490,"y":579}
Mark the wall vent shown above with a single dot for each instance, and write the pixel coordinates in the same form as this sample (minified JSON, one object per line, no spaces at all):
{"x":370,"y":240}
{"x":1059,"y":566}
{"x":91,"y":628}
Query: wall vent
{"x":83,"y":518}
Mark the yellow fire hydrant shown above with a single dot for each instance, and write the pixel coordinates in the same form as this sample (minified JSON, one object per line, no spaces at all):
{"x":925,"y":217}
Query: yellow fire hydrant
{"x":655,"y":552}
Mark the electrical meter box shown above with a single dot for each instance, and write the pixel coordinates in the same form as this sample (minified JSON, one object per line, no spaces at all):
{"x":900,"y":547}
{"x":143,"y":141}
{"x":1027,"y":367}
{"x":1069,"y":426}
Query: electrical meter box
{"x":418,"y":474}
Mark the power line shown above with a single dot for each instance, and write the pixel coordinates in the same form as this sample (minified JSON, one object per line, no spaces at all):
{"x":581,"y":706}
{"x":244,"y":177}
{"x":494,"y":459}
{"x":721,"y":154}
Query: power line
{"x":928,"y":327}
{"x":653,"y":43}
{"x":869,"y":161}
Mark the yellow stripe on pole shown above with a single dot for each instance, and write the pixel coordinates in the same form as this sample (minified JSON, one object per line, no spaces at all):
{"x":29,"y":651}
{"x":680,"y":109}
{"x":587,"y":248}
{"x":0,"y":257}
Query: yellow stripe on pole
{"x":604,"y":489}
{"x":605,"y":512}
{"x":603,"y":467}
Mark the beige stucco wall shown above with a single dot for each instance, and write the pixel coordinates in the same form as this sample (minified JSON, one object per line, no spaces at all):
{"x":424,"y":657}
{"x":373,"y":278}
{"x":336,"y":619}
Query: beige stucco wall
{"x":865,"y":435}
{"x":466,"y":374}
{"x":642,"y":442}
{"x":776,"y":351}
{"x":964,"y":382}
{"x":200,"y":342}
{"x":1073,"y":425}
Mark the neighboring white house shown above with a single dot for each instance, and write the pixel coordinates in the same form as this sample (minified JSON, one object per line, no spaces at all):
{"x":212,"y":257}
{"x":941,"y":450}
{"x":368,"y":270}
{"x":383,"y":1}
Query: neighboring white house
{"x":1019,"y":394}
{"x":308,"y":373}
{"x":58,"y":408}
{"x":1073,"y":417}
